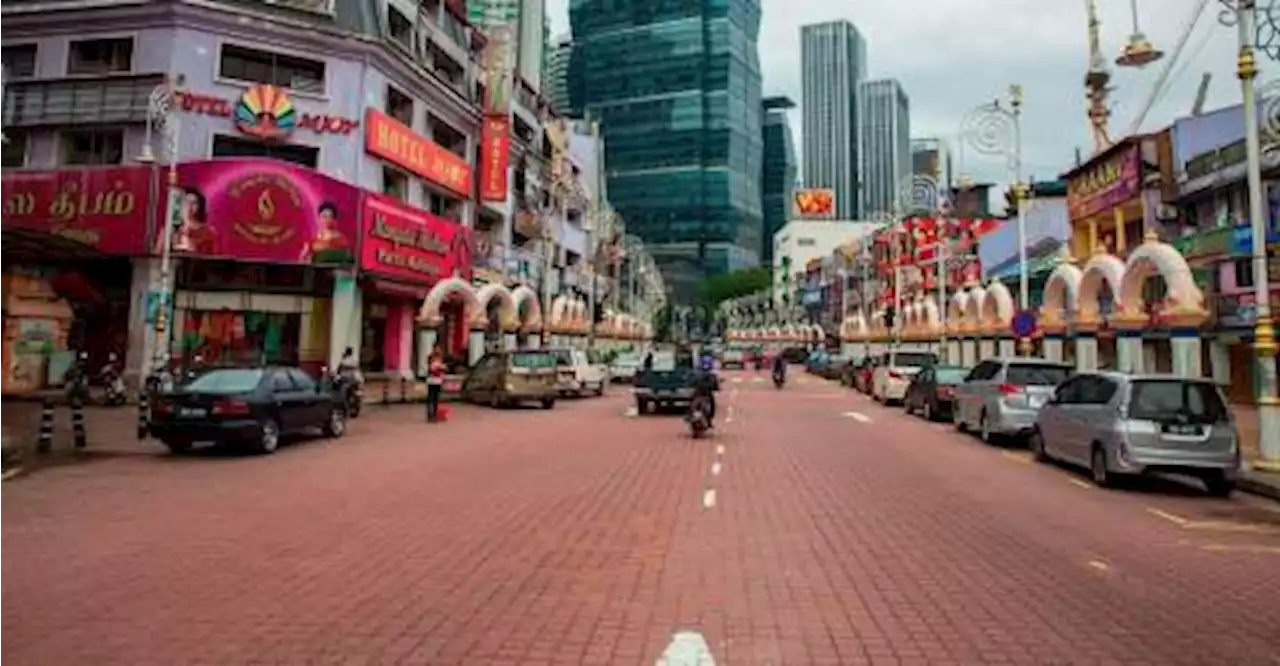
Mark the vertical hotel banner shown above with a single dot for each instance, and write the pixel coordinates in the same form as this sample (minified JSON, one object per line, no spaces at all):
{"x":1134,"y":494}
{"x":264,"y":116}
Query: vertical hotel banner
{"x":495,"y":151}
{"x":814,"y":202}
{"x":499,"y":65}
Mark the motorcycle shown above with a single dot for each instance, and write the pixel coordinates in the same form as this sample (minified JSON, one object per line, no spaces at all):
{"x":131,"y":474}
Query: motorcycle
{"x":699,"y":418}
{"x":350,"y":390}
{"x":114,"y":384}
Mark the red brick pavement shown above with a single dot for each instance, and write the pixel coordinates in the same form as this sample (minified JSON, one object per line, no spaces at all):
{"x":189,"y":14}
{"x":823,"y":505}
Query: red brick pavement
{"x":578,"y":536}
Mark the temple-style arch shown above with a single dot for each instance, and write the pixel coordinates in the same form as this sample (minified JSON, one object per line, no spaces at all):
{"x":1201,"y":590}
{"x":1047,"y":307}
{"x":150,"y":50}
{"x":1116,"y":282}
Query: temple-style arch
{"x":973,"y":313}
{"x":1061,"y":293}
{"x":1156,"y":258}
{"x":958,"y":311}
{"x":930,"y":316}
{"x":508,"y":311}
{"x":1102,"y":269}
{"x":429,"y":313}
{"x":997,"y":308}
{"x":560,"y":310}
{"x":528,"y":307}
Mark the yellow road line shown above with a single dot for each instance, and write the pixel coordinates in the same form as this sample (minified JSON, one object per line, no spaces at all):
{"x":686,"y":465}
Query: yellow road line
{"x":1214,"y":525}
{"x":1079,"y":482}
{"x":1099,"y":565}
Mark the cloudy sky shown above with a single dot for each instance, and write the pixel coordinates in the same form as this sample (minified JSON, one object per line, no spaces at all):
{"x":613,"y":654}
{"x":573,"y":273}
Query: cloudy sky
{"x":951,"y":58}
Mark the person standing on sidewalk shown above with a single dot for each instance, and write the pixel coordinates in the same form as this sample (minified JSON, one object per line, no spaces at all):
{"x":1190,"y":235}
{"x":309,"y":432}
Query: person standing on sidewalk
{"x":435,"y":383}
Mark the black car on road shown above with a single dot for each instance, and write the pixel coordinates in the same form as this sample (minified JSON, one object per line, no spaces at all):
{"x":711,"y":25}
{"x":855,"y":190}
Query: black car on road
{"x":933,"y":389}
{"x":252,"y":406}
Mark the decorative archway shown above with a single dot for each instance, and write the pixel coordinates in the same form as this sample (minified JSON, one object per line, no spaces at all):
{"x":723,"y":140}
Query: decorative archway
{"x":508,"y":311}
{"x":973,"y":311}
{"x":877,"y":326}
{"x":1061,"y":293}
{"x":454,"y":287}
{"x":1102,"y":269}
{"x":1183,"y":306}
{"x":958,"y":312}
{"x":997,"y":309}
{"x":930,"y":316}
{"x":528,"y":307}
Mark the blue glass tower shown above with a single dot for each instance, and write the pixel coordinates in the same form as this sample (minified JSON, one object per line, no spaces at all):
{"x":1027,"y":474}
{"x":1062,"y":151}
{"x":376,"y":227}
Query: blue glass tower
{"x":778,"y":179}
{"x":676,"y":86}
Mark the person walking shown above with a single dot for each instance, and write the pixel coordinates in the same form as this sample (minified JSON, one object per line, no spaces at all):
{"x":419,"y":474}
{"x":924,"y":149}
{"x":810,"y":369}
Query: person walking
{"x":435,"y":383}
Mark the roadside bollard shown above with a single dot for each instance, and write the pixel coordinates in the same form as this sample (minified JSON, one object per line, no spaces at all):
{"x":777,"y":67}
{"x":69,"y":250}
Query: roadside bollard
{"x":45,"y":443}
{"x":404,"y":390}
{"x":386,"y":392}
{"x":77,"y":422}
{"x":144,"y":413}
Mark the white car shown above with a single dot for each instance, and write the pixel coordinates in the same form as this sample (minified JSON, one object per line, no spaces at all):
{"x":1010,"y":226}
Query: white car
{"x":892,"y":377}
{"x":580,"y":372}
{"x":624,"y":367}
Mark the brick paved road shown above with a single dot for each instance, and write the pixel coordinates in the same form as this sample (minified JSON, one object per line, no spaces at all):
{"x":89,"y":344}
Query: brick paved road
{"x":814,"y":528}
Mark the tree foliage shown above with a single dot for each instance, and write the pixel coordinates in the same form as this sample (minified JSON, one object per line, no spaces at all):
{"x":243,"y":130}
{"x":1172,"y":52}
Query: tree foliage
{"x":718,"y":288}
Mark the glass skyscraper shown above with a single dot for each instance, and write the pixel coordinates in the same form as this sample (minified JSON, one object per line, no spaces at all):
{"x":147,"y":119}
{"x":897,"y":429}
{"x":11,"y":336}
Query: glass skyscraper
{"x":777,"y":183}
{"x":676,"y":86}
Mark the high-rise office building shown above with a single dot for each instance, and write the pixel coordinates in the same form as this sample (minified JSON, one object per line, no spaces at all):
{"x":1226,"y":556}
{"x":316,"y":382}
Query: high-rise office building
{"x":833,"y":61}
{"x":556,"y":76}
{"x":884,"y":128}
{"x":676,"y":88}
{"x":778,"y":177}
{"x":529,"y":21}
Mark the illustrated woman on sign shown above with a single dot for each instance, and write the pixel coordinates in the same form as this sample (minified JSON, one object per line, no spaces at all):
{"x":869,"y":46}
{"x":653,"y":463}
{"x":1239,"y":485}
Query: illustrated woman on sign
{"x":194,"y":234}
{"x":330,"y":245}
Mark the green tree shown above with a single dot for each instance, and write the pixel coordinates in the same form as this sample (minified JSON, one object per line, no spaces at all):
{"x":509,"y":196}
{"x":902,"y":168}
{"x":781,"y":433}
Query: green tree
{"x":719,"y":288}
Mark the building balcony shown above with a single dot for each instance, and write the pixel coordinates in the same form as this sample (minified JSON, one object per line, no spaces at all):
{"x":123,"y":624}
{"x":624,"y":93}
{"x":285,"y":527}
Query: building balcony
{"x":114,"y":99}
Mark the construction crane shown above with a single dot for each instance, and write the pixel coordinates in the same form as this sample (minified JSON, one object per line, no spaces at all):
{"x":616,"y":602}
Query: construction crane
{"x":1097,"y":83}
{"x":1202,"y":93}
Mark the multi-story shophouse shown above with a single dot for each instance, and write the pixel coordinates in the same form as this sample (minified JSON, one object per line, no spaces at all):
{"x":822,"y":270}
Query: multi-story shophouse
{"x":1217,"y":241}
{"x":326,"y":157}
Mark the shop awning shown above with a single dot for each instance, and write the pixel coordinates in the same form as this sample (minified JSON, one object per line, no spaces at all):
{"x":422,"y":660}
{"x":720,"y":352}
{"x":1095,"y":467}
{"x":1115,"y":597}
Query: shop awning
{"x":30,"y":245}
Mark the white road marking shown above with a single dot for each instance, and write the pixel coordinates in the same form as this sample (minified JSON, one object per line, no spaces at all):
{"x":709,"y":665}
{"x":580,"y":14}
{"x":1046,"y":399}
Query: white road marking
{"x":709,"y":498}
{"x":715,"y":469}
{"x":737,"y":380}
{"x":632,"y":412}
{"x":719,"y":449}
{"x":757,"y":380}
{"x":687,"y":648}
{"x":858,"y":416}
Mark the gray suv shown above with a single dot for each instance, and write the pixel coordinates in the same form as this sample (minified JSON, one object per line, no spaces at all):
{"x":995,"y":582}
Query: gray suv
{"x":1001,"y":396}
{"x":1120,"y":425}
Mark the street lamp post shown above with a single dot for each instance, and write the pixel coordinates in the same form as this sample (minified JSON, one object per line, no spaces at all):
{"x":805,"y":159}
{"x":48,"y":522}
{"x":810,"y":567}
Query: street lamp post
{"x":1243,"y":15}
{"x":994,"y":129}
{"x":160,"y":116}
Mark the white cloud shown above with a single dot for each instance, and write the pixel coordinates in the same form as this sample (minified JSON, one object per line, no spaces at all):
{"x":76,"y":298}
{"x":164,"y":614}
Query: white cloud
{"x":952,"y":55}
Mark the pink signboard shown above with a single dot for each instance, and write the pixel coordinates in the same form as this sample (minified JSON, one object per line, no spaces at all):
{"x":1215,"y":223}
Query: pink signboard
{"x":411,"y":244}
{"x":103,"y":208}
{"x":264,"y":210}
{"x":1105,"y":185}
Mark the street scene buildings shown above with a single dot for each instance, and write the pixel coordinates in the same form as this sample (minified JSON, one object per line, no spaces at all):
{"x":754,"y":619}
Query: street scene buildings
{"x":346,"y":331}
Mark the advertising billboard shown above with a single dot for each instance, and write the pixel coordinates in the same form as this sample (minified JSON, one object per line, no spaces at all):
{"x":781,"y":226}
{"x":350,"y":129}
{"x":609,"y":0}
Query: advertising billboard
{"x":813,"y":202}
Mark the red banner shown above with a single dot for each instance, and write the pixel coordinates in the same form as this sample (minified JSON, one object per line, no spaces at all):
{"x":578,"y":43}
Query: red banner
{"x":104,"y":208}
{"x":495,"y":153}
{"x":389,"y":139}
{"x":412,"y":244}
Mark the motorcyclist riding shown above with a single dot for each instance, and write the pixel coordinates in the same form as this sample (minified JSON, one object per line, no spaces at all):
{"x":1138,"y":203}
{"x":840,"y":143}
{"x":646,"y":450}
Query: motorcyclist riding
{"x":779,"y":368}
{"x":705,"y":384}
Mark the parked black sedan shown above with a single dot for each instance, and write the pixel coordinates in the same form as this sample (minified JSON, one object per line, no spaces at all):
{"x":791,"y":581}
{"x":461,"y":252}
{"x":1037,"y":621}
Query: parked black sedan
{"x":933,"y":389}
{"x":253,"y":406}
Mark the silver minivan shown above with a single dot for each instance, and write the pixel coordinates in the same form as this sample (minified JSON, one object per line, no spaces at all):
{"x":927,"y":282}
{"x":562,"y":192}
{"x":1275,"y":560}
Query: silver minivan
{"x":1001,"y":396}
{"x":1119,"y":425}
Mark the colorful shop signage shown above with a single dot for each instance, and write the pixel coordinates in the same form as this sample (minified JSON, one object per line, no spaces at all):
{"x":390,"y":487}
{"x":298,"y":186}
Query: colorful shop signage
{"x":391,"y":140}
{"x":412,"y":244}
{"x":263,"y":210}
{"x":1105,"y":185}
{"x":264,"y":112}
{"x":105,"y":209}
{"x":815,"y":202}
{"x":495,"y":152}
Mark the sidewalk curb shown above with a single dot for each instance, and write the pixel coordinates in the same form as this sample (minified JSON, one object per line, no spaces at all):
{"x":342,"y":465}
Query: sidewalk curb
{"x":1255,"y":487}
{"x":12,"y":474}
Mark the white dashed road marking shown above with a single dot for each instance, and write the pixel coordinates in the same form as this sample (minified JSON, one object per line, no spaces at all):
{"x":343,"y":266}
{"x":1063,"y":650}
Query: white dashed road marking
{"x":687,"y":648}
{"x":715,"y":469}
{"x":709,"y":498}
{"x":719,"y":449}
{"x":858,"y":416}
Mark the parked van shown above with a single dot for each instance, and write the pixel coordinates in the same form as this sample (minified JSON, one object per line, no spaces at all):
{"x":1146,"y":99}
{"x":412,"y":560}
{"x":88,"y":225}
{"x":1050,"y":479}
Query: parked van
{"x":510,"y":377}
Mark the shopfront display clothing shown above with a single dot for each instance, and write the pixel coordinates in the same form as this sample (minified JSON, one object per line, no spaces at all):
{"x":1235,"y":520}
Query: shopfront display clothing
{"x":231,"y":337}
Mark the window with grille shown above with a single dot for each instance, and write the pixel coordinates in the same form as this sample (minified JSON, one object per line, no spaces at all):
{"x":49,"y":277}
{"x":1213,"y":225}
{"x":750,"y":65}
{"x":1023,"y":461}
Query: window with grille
{"x":246,"y":64}
{"x":400,"y":106}
{"x":92,"y":147}
{"x":20,"y":62}
{"x":395,"y":183}
{"x":100,"y":56}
